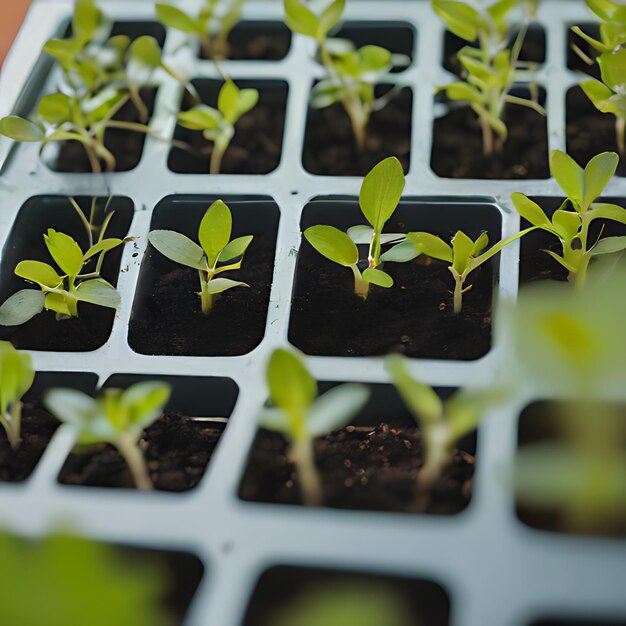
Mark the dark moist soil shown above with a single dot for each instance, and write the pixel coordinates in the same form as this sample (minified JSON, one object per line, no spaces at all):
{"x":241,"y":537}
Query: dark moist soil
{"x":168,"y":318}
{"x":574,"y":62}
{"x":256,"y":45}
{"x":589,"y":131}
{"x":329,"y":147}
{"x":38,"y":426}
{"x":361,"y":468}
{"x":177,"y":450}
{"x":125,"y":145}
{"x":415,"y":317}
{"x":255,"y":149}
{"x":458,"y":146}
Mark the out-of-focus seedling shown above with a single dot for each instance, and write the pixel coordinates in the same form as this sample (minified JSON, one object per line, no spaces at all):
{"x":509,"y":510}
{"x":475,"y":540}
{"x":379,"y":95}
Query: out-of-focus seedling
{"x":351,"y":74}
{"x":16,"y":378}
{"x":582,"y":187}
{"x":442,"y":424}
{"x":612,"y":16}
{"x":301,"y":416}
{"x":218,"y":125}
{"x":116,"y":416}
{"x":380,"y":194}
{"x":211,"y":26}
{"x":491,"y":68}
{"x":342,"y":603}
{"x":215,"y":254}
{"x":77,"y":581}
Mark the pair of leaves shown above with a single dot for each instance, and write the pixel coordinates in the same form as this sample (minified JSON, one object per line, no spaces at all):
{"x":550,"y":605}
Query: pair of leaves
{"x":301,"y":19}
{"x":16,"y":375}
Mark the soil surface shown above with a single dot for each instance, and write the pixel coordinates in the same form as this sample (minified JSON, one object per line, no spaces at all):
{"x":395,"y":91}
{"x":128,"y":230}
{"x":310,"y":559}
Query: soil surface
{"x":329,"y":146}
{"x":38,"y":426}
{"x":255,"y":149}
{"x":247,"y":43}
{"x":126,"y":146}
{"x":589,"y":131}
{"x":458,"y":146}
{"x":167,"y":316}
{"x":371,"y":468}
{"x":177,"y":450}
{"x":415,"y":317}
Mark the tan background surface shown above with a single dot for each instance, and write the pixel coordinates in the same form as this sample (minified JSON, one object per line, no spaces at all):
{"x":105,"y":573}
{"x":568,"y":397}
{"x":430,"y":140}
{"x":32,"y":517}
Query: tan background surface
{"x":11,"y":15}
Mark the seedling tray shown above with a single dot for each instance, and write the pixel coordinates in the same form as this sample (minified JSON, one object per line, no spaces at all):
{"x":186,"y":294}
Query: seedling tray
{"x":494,"y":570}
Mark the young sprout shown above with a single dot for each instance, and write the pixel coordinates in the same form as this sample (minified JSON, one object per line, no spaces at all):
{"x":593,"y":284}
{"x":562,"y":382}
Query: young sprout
{"x":441,"y":423}
{"x":218,"y":125}
{"x":464,"y":255}
{"x":16,"y":378}
{"x":211,"y":26}
{"x":582,"y":187}
{"x":380,"y":194}
{"x":301,"y":416}
{"x":215,"y":254}
{"x":116,"y":416}
{"x":491,"y":68}
{"x":62,"y":292}
{"x":351,"y":74}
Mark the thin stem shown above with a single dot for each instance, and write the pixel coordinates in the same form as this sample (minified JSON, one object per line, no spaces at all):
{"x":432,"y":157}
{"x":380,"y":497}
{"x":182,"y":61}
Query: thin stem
{"x":205,"y":296}
{"x":488,"y":143}
{"x":458,"y":293}
{"x":12,"y":422}
{"x":435,"y":445}
{"x":136,"y":462}
{"x":94,"y":163}
{"x":140,"y":105}
{"x":310,"y":484}
{"x":216,"y":159}
{"x":361,"y":287}
{"x":620,"y":129}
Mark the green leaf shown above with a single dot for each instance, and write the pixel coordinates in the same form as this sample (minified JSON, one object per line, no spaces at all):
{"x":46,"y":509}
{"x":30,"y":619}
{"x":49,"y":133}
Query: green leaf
{"x":178,"y":248}
{"x":218,"y":285}
{"x":98,"y":291}
{"x":465,"y":409}
{"x":610,"y":245}
{"x":16,"y":375}
{"x":227,"y":99}
{"x":431,"y":246}
{"x":300,"y":18}
{"x":19,"y":129}
{"x":605,"y":210}
{"x":599,"y":94}
{"x":200,"y":117}
{"x":146,"y":50}
{"x":613,"y":68}
{"x":598,"y":173}
{"x":374,"y":58}
{"x":64,"y":50}
{"x":336,"y":408}
{"x":70,"y":406}
{"x":38,"y":272}
{"x":569,"y":175}
{"x":235,"y":249}
{"x":144,"y":402}
{"x":480,"y":244}
{"x":177,"y":19}
{"x":65,"y":252}
{"x":58,"y":303}
{"x":462,"y":250}
{"x":401,"y":253}
{"x":103,"y":246}
{"x":330,"y":17}
{"x":21,"y":307}
{"x":530,"y":211}
{"x":273,"y":419}
{"x":381,"y":191}
{"x":377,"y":277}
{"x":497,"y":247}
{"x":291,"y":387}
{"x":566,"y":224}
{"x":86,"y":20}
{"x":463,"y":92}
{"x":459,"y":17}
{"x":333,"y":243}
{"x":215,"y":229}
{"x":248,"y":99}
{"x":54,"y":109}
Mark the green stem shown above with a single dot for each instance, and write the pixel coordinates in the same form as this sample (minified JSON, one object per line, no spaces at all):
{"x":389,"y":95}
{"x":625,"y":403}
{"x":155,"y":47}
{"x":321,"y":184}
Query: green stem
{"x":620,"y":129}
{"x":310,"y":484}
{"x":487,"y":130}
{"x":361,"y":287}
{"x":206,"y":297}
{"x":136,"y":462}
{"x":12,"y":422}
{"x":458,"y":293}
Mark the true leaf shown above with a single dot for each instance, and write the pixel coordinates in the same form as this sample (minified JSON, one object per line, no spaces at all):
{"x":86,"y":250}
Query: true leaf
{"x":200,"y":117}
{"x":178,"y":248}
{"x":103,"y":246}
{"x":19,"y":129}
{"x":236,"y":248}
{"x":65,"y":251}
{"x":569,"y":175}
{"x":70,"y":405}
{"x":218,"y":285}
{"x":333,"y":243}
{"x":462,"y":249}
{"x":38,"y":272}
{"x":336,"y":408}
{"x":381,"y":191}
{"x":54,"y":108}
{"x":330,"y":17}
{"x":215,"y":229}
{"x":144,"y":402}
{"x":431,"y":245}
{"x":530,"y":210}
{"x":608,"y":211}
{"x":300,"y":18}
{"x":610,"y":245}
{"x":177,"y":19}
{"x":598,"y":173}
{"x":401,"y":253}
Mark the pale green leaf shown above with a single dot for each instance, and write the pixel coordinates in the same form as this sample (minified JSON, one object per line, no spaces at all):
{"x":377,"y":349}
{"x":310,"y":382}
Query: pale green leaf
{"x":401,"y":253}
{"x":300,"y":18}
{"x":54,"y":109}
{"x":219,"y":285}
{"x":598,"y":173}
{"x":144,"y":402}
{"x":215,"y":230}
{"x":70,"y":406}
{"x":381,"y":191}
{"x":177,"y":19}
{"x":59,"y":303}
{"x":21,"y":307}
{"x":605,"y":210}
{"x":566,"y":224}
{"x":462,"y":19}
{"x":330,"y":17}
{"x":336,"y":408}
{"x":333,"y":243}
{"x":569,"y":175}
{"x":38,"y":272}
{"x":200,"y":117}
{"x":610,"y":245}
{"x":431,"y":246}
{"x":273,"y":419}
{"x":235,"y":249}
{"x":103,"y":246}
{"x":19,"y":129}
{"x":16,"y":375}
{"x":65,"y":252}
{"x":98,"y":291}
{"x":178,"y":248}
{"x":377,"y":277}
{"x":462,"y":250}
{"x":530,"y":211}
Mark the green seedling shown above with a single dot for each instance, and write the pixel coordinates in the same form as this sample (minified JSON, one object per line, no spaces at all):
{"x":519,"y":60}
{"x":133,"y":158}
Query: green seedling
{"x":116,"y":416}
{"x":441,"y":423}
{"x":582,"y":187}
{"x":78,"y":582}
{"x":215,"y":254}
{"x":380,"y":194}
{"x":612,"y":16}
{"x":211,"y":26}
{"x":463,"y":254}
{"x":343,"y":603}
{"x":61,"y":292}
{"x":301,"y":416}
{"x":351,"y":74}
{"x":218,"y":125}
{"x":491,"y":68}
{"x":16,"y":378}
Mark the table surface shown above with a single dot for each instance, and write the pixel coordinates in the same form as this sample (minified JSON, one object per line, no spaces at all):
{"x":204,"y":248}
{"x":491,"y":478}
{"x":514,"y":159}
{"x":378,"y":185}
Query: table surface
{"x":11,"y":15}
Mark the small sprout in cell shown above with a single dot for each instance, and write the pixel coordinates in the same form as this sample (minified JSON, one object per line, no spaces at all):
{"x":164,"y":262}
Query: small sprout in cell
{"x":215,"y":254}
{"x":351,"y":74}
{"x":300,"y":415}
{"x":582,"y":188}
{"x":491,"y":69}
{"x":380,"y":194}
{"x":218,"y":125}
{"x":211,"y":26}
{"x":16,"y":378}
{"x":116,"y":416}
{"x":442,"y":423}
{"x":612,"y":28}
{"x":463,"y":254}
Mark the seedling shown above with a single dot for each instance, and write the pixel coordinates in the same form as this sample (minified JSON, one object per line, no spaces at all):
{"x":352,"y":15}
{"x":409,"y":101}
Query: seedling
{"x":215,"y":254}
{"x":380,"y":194}
{"x":463,"y":254}
{"x":491,"y":68}
{"x":301,"y":416}
{"x":62,"y":581}
{"x":218,"y":125}
{"x":116,"y":416}
{"x":571,"y":227}
{"x":441,"y":423}
{"x":612,"y":16}
{"x":351,"y":74}
{"x":211,"y":26}
{"x":62,"y":292}
{"x":16,"y":378}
